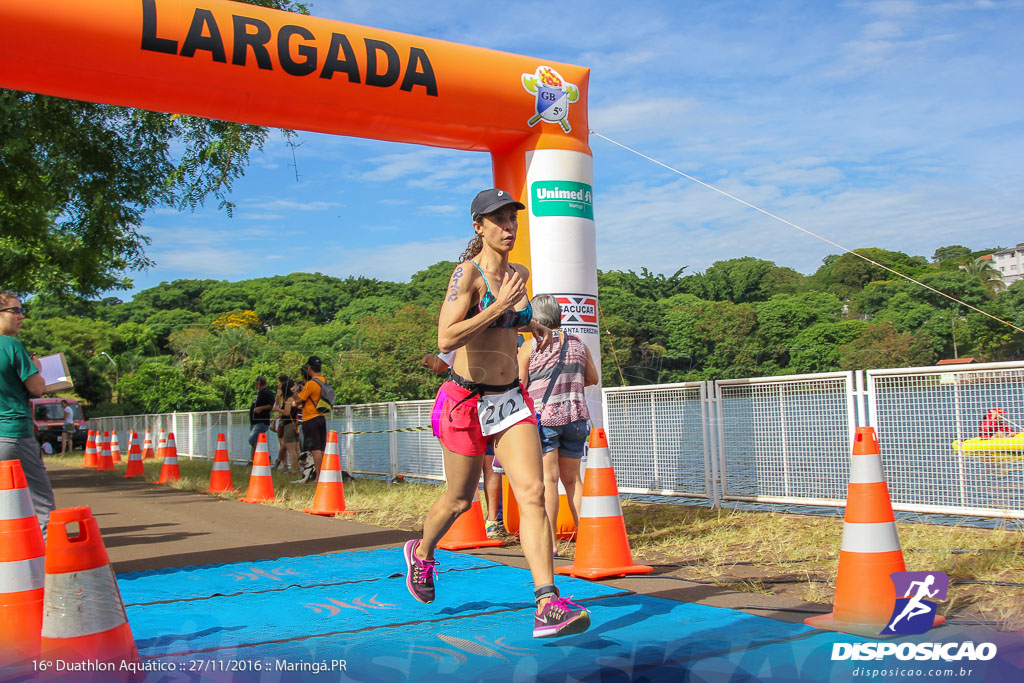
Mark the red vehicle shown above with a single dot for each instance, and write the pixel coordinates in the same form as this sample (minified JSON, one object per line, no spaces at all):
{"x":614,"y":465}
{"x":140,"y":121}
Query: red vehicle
{"x":48,"y":421}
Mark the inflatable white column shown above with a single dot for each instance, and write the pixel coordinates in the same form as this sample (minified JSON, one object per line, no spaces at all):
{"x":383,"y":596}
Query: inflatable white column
{"x":563,"y":245}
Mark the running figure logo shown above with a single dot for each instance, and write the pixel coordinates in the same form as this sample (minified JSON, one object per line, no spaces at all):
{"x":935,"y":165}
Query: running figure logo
{"x":914,"y":614}
{"x":553,"y":96}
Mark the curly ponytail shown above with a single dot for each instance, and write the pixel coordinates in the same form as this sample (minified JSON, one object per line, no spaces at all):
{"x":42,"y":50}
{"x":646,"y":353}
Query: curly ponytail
{"x":473,"y":248}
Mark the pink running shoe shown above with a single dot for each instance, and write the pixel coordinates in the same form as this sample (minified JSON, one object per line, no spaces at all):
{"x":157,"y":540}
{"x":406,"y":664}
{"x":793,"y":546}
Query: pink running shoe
{"x":560,"y":617}
{"x":419,"y":576}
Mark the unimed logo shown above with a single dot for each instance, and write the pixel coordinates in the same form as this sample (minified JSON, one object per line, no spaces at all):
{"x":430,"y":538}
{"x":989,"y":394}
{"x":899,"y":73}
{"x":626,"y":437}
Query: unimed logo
{"x":921,"y":652}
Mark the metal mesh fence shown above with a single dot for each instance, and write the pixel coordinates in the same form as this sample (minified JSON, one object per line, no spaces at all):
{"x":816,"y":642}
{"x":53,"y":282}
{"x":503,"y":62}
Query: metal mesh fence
{"x":929,"y":423}
{"x":371,"y":452}
{"x":656,"y":439}
{"x":785,"y":439}
{"x":771,"y":440}
{"x":419,"y":453}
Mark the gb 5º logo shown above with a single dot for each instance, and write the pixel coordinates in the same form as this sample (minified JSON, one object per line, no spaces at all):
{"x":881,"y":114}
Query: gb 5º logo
{"x":553,"y":96}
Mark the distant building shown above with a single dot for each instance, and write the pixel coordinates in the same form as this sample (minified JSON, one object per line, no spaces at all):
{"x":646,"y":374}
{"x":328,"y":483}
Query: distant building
{"x":1009,"y":263}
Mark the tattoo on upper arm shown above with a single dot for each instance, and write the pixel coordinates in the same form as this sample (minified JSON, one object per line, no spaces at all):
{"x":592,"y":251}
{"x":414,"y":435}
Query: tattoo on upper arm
{"x":453,"y":288}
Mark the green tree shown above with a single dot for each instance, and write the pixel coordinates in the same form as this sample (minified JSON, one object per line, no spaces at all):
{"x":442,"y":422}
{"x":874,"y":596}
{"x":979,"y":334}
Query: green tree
{"x":816,"y":349}
{"x":134,"y":338}
{"x":780,"y":280}
{"x":76,"y":178}
{"x":740,"y":280}
{"x":851,"y":273}
{"x":986,"y":272}
{"x":367,"y":306}
{"x":163,"y":323}
{"x":160,"y":388}
{"x":388,"y":358}
{"x":881,"y":345}
{"x":718,"y":337}
{"x":953,"y":251}
{"x":427,"y":287}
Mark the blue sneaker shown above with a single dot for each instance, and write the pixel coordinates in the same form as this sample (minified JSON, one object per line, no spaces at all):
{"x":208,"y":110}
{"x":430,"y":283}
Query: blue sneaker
{"x":419,"y":577}
{"x":560,"y":617}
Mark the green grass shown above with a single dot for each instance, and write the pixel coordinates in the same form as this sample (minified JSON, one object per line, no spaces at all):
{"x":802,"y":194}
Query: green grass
{"x":759,"y":552}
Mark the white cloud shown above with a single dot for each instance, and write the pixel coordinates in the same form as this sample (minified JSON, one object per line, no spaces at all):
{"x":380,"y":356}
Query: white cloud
{"x":290,"y":205}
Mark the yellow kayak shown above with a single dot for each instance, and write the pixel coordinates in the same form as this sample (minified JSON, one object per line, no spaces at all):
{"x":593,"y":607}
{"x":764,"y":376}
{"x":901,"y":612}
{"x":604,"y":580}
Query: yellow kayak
{"x":998,"y":444}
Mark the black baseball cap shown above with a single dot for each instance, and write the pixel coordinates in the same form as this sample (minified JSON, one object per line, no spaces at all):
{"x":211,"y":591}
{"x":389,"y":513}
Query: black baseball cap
{"x":491,"y":200}
{"x":314,"y":363}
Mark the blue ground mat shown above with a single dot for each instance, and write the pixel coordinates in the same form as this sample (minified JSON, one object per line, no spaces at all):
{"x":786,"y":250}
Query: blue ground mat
{"x":335,"y":608}
{"x":263,"y":575}
{"x":479,"y":629}
{"x":632,"y":638}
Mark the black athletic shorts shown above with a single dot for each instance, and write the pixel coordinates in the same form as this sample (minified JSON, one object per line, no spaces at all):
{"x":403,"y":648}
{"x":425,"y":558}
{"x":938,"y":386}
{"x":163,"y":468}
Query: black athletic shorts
{"x":314,"y":432}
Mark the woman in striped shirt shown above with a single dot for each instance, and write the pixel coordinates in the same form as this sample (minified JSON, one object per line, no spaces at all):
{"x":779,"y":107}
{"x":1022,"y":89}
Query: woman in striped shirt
{"x":563,"y":418}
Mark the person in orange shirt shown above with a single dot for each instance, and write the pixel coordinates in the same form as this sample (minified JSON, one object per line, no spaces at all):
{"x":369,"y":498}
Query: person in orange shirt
{"x":314,"y":423}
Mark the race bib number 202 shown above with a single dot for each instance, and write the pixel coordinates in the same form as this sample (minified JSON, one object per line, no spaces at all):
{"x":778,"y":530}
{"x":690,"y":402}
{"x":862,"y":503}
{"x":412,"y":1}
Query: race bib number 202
{"x":500,"y":411}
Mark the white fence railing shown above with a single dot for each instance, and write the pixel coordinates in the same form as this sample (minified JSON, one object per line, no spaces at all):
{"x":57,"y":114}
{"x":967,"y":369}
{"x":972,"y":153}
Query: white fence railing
{"x":768,"y":439}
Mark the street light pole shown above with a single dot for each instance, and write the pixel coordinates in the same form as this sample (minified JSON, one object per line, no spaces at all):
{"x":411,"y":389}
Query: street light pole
{"x":114,"y":363}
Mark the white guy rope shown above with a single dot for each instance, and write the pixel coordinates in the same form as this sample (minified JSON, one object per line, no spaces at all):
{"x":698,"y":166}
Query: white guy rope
{"x":805,"y":231}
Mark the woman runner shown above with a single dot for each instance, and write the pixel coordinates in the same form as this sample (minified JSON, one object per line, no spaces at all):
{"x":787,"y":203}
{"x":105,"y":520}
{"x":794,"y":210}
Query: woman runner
{"x":484,"y":404}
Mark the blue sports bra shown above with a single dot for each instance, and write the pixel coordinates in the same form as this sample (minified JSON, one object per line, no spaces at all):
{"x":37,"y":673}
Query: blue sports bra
{"x":509,"y":318}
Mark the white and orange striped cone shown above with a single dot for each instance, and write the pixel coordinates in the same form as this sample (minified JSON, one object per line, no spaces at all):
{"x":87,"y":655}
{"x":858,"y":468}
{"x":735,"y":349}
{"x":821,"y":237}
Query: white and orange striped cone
{"x":169,"y":470}
{"x":92,"y":456}
{"x":261,"y":483}
{"x":134,"y":468}
{"x":147,"y":447}
{"x":565,"y":525}
{"x":329,"y":498}
{"x":106,"y":459}
{"x":468,"y":530}
{"x":220,"y":475}
{"x":115,"y":447}
{"x":865,"y":594}
{"x":22,"y":572}
{"x":602,"y":547}
{"x":161,"y":444}
{"x":83,"y":615}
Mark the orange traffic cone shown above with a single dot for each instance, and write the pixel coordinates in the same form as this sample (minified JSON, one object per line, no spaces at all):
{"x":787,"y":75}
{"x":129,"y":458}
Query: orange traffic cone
{"x":22,"y":571}
{"x":865,"y":595}
{"x":602,"y":548}
{"x":106,"y":459}
{"x":92,"y":458}
{"x":161,"y":445}
{"x":135,"y":468}
{"x":83,"y":615}
{"x":565,"y":525}
{"x":468,"y":530}
{"x":147,"y":447}
{"x":329,"y":498}
{"x":261,"y":484}
{"x":169,"y":471}
{"x":115,"y":447}
{"x":220,"y":475}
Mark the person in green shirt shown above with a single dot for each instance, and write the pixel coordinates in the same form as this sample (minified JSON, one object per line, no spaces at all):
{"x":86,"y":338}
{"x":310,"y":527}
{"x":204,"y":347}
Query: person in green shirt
{"x":20,"y":379}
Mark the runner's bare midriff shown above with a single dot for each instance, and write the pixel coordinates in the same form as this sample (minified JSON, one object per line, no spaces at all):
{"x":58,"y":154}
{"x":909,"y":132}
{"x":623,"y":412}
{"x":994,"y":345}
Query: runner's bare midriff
{"x":490,"y":357}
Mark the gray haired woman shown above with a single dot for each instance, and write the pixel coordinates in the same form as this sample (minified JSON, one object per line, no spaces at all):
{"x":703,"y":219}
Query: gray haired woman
{"x":559,"y":373}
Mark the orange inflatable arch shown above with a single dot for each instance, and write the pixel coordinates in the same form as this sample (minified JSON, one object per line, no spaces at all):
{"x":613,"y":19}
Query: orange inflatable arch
{"x":239,"y":62}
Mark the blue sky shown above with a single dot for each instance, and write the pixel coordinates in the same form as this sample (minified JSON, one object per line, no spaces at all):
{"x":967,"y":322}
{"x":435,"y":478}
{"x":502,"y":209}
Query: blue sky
{"x":889,"y":123}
